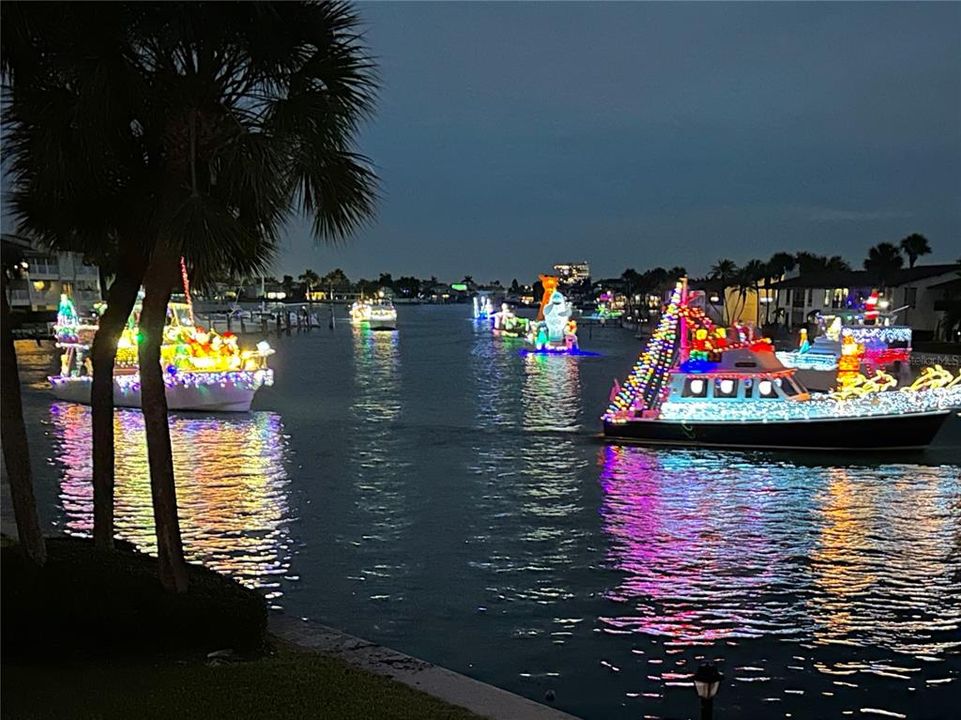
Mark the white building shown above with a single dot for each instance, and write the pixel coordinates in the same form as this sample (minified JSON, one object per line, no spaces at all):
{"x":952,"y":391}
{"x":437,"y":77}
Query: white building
{"x":572,"y":273}
{"x":44,"y":275}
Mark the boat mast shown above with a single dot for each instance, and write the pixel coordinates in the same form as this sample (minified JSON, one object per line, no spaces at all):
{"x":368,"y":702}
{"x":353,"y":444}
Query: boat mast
{"x":186,"y":283}
{"x":682,"y":321}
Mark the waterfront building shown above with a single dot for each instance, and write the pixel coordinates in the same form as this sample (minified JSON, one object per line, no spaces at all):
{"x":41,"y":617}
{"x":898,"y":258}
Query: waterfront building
{"x":45,"y":275}
{"x":572,"y":273}
{"x":928,"y":294}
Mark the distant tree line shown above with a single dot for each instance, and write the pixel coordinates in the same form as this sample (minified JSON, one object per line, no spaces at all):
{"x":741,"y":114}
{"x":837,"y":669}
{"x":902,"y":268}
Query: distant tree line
{"x":884,"y":260}
{"x":336,"y":282}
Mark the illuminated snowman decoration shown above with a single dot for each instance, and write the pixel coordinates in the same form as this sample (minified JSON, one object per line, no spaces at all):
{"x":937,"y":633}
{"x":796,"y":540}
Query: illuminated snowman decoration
{"x":557,"y":314}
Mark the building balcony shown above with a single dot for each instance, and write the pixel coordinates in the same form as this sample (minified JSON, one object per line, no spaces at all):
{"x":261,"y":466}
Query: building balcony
{"x":19,"y":297}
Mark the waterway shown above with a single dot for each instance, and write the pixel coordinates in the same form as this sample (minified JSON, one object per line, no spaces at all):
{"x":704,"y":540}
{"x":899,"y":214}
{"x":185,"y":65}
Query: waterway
{"x":438,"y":492}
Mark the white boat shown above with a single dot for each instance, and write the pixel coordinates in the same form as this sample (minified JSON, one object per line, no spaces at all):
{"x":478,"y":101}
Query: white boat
{"x":212,"y":392}
{"x":377,"y":314}
{"x":383,"y":316}
{"x":360,"y":312}
{"x":202,"y":370}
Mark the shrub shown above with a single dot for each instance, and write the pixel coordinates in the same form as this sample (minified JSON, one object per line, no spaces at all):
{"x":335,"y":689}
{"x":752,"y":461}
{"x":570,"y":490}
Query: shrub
{"x":87,"y":601}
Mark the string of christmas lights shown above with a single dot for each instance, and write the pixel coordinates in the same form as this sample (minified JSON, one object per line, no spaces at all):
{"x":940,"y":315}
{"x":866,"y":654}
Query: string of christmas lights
{"x":643,"y":388}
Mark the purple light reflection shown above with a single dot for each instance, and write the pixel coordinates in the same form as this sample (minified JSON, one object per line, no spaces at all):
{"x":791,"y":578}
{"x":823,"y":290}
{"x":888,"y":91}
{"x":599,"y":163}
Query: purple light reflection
{"x":693,"y":548}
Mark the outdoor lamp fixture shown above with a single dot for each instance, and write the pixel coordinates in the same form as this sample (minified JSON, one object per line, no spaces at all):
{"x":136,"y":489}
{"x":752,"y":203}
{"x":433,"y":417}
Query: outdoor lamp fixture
{"x":707,"y":680}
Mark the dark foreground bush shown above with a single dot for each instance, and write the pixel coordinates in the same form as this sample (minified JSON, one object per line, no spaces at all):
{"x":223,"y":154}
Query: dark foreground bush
{"x":86,"y":601}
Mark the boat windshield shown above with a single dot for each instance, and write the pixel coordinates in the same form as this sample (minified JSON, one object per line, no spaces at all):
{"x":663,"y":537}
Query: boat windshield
{"x":179,"y":315}
{"x":789,"y":387}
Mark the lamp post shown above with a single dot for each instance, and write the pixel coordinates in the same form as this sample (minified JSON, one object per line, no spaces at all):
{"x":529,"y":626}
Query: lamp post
{"x":707,"y":680}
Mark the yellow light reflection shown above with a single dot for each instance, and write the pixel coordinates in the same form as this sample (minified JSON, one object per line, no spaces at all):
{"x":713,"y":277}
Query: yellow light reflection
{"x":232,"y":488}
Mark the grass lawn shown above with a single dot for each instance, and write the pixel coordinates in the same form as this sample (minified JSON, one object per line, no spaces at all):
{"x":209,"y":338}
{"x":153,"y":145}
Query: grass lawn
{"x":289,"y":684}
{"x":93,"y":636}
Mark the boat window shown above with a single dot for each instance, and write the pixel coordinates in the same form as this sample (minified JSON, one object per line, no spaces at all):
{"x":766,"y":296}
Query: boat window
{"x":788,"y":387}
{"x":766,"y":389}
{"x":695,"y":387}
{"x":725,"y":388}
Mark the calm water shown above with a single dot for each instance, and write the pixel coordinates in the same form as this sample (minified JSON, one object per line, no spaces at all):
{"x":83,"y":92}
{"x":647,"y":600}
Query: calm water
{"x":438,"y":492}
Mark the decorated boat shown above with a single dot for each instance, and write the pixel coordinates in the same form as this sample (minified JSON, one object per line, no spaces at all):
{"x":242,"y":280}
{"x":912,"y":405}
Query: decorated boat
{"x":483,"y":307}
{"x":377,"y":314}
{"x":360,"y":311}
{"x":869,"y":333}
{"x":383,"y":315}
{"x":504,"y":323}
{"x":698,"y":384}
{"x":202,"y":369}
{"x":554,"y":330}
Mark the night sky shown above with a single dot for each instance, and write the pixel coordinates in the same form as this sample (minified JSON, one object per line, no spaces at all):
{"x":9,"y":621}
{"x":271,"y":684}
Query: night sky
{"x":512,"y":136}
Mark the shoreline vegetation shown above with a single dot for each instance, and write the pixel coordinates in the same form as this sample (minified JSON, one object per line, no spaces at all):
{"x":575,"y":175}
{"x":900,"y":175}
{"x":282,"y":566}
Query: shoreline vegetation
{"x":93,"y":634}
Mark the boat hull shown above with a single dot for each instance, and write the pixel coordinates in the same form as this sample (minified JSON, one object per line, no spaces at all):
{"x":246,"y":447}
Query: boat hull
{"x":910,"y":431}
{"x":209,"y":397}
{"x":382,"y":324}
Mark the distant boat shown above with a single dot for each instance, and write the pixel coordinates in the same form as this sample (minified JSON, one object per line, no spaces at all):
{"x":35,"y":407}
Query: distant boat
{"x":506,"y":324}
{"x":377,"y":314}
{"x":383,"y":315}
{"x":554,"y":330}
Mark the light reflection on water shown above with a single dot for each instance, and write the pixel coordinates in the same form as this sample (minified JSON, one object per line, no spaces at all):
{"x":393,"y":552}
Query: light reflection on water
{"x":849,"y":565}
{"x":377,"y":466}
{"x":531,"y":490}
{"x":452,"y":504}
{"x":232,"y":488}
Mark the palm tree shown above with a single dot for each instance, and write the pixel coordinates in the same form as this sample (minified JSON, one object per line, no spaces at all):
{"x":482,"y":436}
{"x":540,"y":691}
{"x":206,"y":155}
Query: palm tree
{"x":16,"y":452}
{"x":884,"y":259}
{"x":752,"y":274}
{"x":336,"y":278}
{"x":310,"y":279}
{"x":914,"y":246}
{"x":633,"y":282}
{"x":76,"y":174}
{"x":836,"y":263}
{"x":723,"y":270}
{"x":778,"y":265}
{"x":219,"y":119}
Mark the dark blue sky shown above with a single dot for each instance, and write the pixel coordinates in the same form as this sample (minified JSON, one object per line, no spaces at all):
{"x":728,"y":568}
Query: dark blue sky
{"x":512,"y":136}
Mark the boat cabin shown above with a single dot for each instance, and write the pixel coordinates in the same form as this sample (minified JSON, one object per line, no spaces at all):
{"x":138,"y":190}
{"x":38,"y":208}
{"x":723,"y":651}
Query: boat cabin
{"x":740,"y":374}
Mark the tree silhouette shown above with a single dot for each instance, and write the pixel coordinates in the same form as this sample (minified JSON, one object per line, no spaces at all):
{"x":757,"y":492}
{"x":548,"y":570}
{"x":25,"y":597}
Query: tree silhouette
{"x":723,"y":270}
{"x":914,"y":246}
{"x":811,"y":263}
{"x":144,"y":133}
{"x":884,"y":259}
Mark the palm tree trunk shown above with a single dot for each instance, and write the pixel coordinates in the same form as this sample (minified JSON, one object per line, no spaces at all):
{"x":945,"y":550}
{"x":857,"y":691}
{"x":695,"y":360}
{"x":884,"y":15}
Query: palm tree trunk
{"x":157,"y":288}
{"x":120,"y":302}
{"x":16,"y":452}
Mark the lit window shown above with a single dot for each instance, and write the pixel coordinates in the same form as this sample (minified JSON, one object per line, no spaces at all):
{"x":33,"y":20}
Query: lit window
{"x":725,"y":388}
{"x":695,"y":387}
{"x":765,"y":389}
